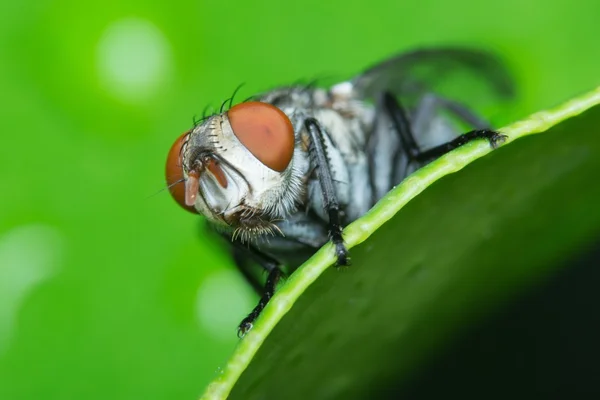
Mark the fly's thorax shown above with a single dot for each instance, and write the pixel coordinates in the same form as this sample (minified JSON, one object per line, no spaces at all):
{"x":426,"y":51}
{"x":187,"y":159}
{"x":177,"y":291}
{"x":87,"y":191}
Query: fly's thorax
{"x":346,"y":122}
{"x":236,"y":190}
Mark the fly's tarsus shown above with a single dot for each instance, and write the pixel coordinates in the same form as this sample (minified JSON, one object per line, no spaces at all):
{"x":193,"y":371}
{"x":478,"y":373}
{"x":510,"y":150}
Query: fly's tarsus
{"x":246,"y":325}
{"x":493,"y":137}
{"x":403,"y":128}
{"x":270,"y":285}
{"x":243,"y":253}
{"x":342,"y":254}
{"x":335,"y":235}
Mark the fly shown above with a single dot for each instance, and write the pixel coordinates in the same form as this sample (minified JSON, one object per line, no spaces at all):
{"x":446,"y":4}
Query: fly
{"x":282,"y":173}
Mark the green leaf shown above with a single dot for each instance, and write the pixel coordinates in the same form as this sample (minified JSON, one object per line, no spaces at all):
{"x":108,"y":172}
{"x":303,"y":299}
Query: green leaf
{"x":426,"y":267}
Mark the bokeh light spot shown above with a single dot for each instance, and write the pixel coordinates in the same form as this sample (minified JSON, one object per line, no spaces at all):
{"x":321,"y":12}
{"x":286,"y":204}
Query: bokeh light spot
{"x":29,"y":255}
{"x":224,"y":298}
{"x":133,"y":59}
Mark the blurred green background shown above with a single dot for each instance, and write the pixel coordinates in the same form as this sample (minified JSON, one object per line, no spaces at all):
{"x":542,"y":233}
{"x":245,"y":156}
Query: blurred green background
{"x":107,"y":288}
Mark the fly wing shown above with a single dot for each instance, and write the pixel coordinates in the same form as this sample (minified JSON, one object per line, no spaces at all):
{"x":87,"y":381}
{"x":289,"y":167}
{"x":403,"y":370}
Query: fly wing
{"x":471,"y":76}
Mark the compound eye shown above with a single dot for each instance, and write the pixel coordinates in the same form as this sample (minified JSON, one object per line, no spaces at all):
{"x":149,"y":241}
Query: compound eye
{"x":174,"y":173}
{"x":265,"y":131}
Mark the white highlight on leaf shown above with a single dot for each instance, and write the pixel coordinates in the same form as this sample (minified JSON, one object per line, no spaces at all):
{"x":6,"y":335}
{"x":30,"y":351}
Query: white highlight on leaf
{"x":29,"y":255}
{"x":133,"y":59}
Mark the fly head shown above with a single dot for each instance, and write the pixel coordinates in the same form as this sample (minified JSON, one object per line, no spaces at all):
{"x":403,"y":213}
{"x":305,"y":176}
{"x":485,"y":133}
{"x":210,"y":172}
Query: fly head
{"x":238,"y":169}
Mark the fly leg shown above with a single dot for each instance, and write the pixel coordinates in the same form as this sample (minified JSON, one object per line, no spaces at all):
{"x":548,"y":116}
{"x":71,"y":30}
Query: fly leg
{"x":270,"y":285}
{"x":242,"y":255}
{"x":402,"y":125}
{"x":319,"y":160}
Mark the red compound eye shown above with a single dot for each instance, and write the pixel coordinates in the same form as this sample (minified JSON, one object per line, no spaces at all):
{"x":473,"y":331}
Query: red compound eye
{"x":174,"y":174}
{"x":265,"y":131}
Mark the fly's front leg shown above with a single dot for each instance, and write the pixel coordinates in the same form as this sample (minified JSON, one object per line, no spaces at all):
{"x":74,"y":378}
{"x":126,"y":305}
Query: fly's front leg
{"x":241,"y":255}
{"x":270,"y":285}
{"x":320,"y":161}
{"x":402,"y":125}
